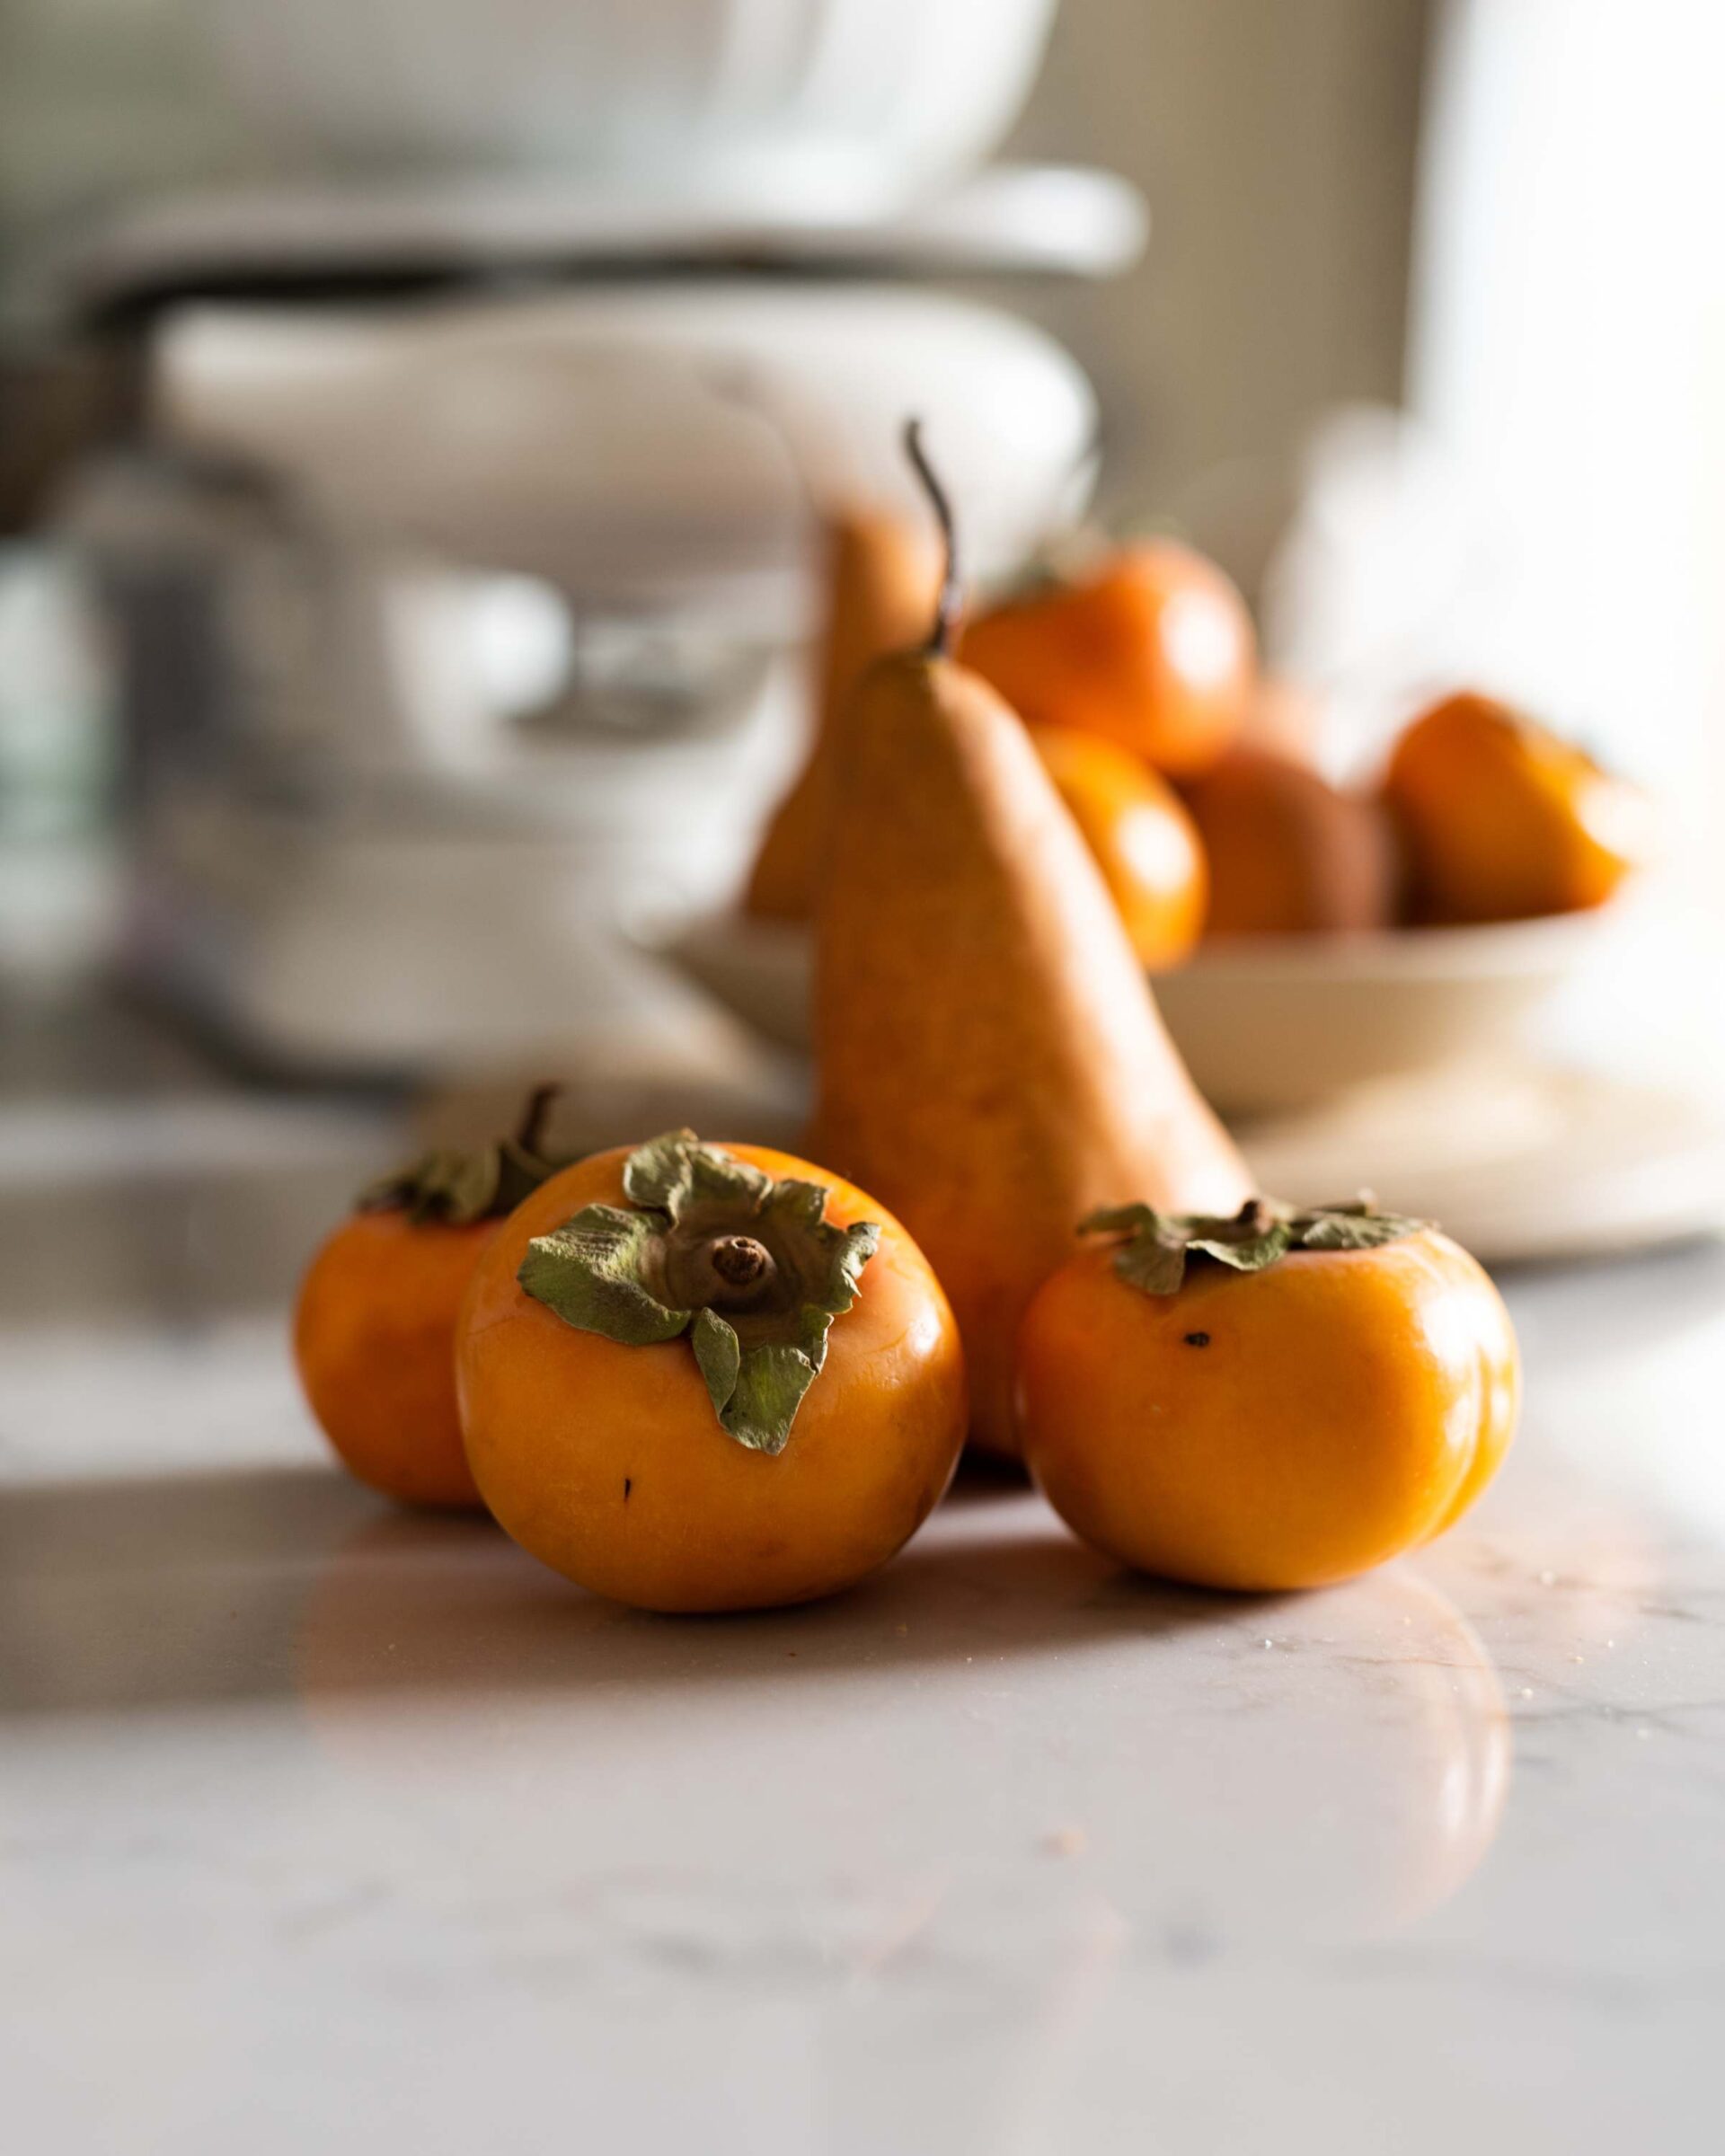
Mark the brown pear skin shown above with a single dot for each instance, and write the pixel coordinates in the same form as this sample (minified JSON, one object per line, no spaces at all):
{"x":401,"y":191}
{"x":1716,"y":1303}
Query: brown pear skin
{"x":990,"y":1062}
{"x":882,"y":575}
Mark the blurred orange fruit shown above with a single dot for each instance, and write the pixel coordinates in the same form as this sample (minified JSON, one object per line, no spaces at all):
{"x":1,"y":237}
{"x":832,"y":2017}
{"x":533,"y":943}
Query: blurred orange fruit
{"x":1288,"y":852}
{"x":1503,"y":820}
{"x":1154,"y":650}
{"x":1141,"y":834}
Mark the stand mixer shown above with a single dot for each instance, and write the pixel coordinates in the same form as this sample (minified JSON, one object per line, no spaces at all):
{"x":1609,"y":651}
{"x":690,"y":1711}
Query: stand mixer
{"x":457,"y":552}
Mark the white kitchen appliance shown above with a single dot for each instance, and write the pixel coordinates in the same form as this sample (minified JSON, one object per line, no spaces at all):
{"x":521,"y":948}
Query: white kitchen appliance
{"x":460,"y":554}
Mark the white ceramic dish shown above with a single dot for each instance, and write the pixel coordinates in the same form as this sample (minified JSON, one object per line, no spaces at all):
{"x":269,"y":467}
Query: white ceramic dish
{"x":852,"y":103}
{"x":1281,"y":1023}
{"x":613,"y":439}
{"x":1007,"y":220}
{"x":1276,"y":1024}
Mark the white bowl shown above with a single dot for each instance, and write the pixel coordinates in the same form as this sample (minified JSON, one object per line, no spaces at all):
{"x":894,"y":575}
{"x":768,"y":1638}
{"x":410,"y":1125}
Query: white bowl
{"x":1276,"y":1023}
{"x":856,"y":104}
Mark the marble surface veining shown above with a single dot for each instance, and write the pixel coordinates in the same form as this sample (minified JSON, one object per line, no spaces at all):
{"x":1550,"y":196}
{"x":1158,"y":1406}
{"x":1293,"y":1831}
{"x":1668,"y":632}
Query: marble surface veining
{"x":323,"y":1826}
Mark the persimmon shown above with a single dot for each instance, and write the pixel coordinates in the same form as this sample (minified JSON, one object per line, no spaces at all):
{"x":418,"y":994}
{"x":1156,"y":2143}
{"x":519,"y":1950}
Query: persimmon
{"x":374,"y":1321}
{"x":1141,"y":835}
{"x":1154,"y":650}
{"x":1288,"y":852}
{"x":799,"y":1434}
{"x":1272,"y":1401}
{"x":1503,"y":820}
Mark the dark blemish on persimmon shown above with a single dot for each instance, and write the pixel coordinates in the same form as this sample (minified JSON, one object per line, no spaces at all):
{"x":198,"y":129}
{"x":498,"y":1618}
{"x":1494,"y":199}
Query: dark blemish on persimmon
{"x":1198,"y":1339}
{"x":628,"y":1484}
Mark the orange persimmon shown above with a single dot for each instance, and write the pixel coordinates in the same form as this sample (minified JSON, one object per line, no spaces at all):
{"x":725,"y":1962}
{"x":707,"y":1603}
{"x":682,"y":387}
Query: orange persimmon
{"x":1289,"y":854}
{"x":1142,"y":838}
{"x":1154,"y":650}
{"x":374,"y":1321}
{"x":1503,"y":820}
{"x":1272,"y":1401}
{"x":799,"y":1434}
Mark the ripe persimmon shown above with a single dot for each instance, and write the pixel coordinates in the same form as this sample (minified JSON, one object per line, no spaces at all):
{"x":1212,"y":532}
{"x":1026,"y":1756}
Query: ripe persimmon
{"x":374,"y":1321}
{"x":1288,"y":852}
{"x":1154,"y":649}
{"x":1142,"y":838}
{"x":1503,"y":820}
{"x":1274,"y":1401}
{"x":789,"y":1446}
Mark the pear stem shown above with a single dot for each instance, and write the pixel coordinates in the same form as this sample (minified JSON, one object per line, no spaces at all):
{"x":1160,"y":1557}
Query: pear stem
{"x":532,"y":1128}
{"x":949,"y":606}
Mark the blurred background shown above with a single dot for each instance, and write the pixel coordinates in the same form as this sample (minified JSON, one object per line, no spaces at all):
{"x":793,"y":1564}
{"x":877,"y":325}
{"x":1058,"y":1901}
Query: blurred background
{"x":409,"y":418}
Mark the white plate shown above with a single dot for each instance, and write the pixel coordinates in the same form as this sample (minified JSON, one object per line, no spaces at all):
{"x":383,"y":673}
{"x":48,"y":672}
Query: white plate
{"x":1516,"y":1160}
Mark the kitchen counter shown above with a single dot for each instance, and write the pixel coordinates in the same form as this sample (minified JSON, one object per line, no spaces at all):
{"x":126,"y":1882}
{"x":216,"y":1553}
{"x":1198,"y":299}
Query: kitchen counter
{"x":323,"y":1826}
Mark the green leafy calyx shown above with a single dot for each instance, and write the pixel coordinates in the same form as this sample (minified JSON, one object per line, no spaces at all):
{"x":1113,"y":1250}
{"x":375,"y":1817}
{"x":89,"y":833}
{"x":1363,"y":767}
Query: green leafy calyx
{"x":458,"y":1189}
{"x":748,"y":1267}
{"x":1156,"y":1248}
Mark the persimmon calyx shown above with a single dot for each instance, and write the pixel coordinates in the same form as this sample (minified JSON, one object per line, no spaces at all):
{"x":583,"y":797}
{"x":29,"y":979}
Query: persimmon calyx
{"x":458,"y":1188}
{"x":1155,"y":1248}
{"x":1064,"y":564}
{"x":748,"y":1267}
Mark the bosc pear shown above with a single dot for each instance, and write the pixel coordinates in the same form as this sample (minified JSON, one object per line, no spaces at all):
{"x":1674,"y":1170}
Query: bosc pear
{"x":883,"y":575}
{"x":990,"y":1060}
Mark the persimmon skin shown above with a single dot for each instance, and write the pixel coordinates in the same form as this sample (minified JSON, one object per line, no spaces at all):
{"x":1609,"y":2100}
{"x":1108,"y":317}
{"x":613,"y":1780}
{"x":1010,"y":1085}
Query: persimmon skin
{"x":1142,"y":836}
{"x":1274,"y":1430}
{"x":374,"y":1343}
{"x":1155,"y":650}
{"x":1503,"y":820}
{"x":609,"y":1463}
{"x":1290,"y":854}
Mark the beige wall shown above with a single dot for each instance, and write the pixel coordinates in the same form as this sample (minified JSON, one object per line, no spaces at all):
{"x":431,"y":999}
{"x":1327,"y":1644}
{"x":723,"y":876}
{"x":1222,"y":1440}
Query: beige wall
{"x":1275,"y":140}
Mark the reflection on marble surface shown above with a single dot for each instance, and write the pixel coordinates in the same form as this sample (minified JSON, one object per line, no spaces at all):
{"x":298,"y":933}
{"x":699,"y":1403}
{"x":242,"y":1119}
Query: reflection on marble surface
{"x":1165,"y":1774}
{"x":993,"y":1775}
{"x":325,"y":1825}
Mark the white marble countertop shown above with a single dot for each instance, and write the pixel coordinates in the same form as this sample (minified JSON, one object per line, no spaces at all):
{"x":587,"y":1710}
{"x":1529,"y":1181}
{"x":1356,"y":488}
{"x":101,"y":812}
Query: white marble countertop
{"x":324,"y":1828}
